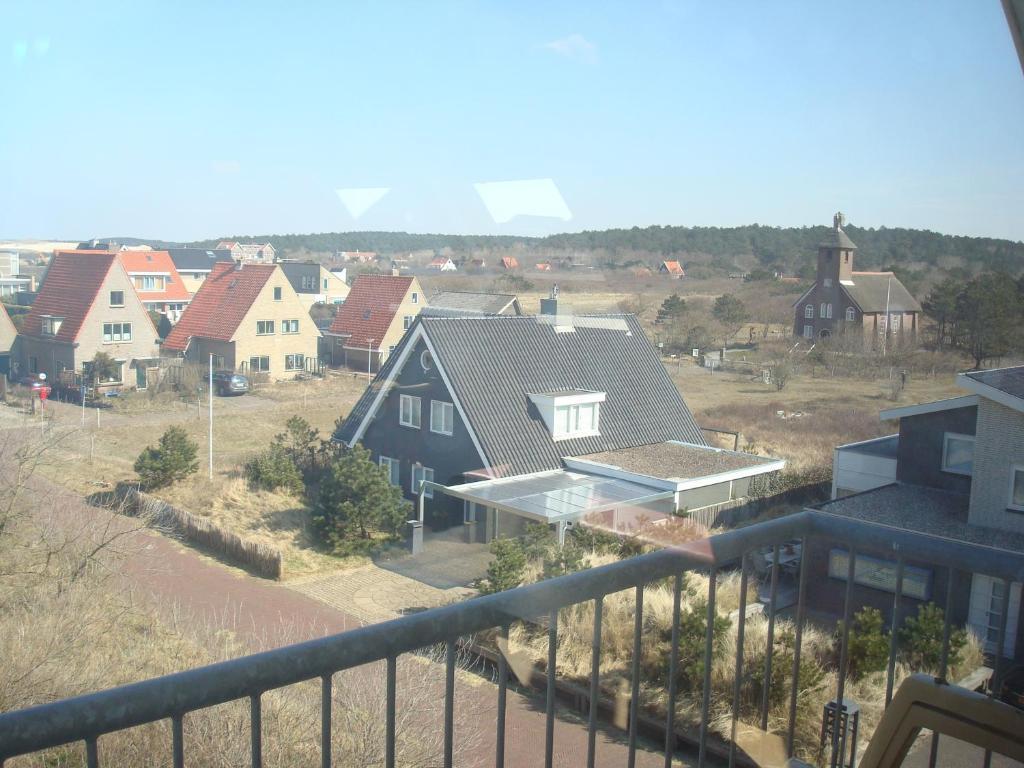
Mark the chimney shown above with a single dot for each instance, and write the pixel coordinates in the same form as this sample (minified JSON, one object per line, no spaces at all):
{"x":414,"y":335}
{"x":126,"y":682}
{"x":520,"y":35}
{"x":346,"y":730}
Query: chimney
{"x":549,"y":306}
{"x":549,"y":312}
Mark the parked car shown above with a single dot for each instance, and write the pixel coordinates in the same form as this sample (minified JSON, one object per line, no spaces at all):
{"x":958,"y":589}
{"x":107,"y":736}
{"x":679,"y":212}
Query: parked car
{"x":230,"y":383}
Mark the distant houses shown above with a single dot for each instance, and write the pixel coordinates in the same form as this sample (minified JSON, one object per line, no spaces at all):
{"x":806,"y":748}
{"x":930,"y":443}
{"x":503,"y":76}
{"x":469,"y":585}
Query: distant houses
{"x":442,"y":264}
{"x":156,"y":281}
{"x":88,"y":304}
{"x":672,"y":269}
{"x":370,"y":324}
{"x":194,"y":264}
{"x":509,"y":262}
{"x":314,"y":283}
{"x":12,"y":281}
{"x":249,"y":318}
{"x":255,"y":253}
{"x":359,"y":257}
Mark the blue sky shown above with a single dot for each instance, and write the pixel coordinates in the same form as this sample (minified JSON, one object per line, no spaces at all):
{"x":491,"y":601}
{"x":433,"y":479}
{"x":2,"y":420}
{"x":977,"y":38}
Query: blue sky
{"x":185,"y":120}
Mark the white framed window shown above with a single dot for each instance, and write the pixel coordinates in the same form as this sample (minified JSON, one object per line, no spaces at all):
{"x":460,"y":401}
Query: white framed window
{"x":821,"y":312}
{"x":51,"y":325}
{"x":419,"y":475}
{"x":851,"y":314}
{"x":1016,"y":501}
{"x":828,"y":311}
{"x":827,"y":282}
{"x":576,"y":420}
{"x":325,"y":284}
{"x":393,"y":467}
{"x":264,"y":327}
{"x":415,"y":298}
{"x":115,"y":332}
{"x":277,"y":293}
{"x":442,"y":417}
{"x":259,"y":364}
{"x":808,"y":331}
{"x":985,"y":612}
{"x":407,"y":321}
{"x":294,"y":362}
{"x":117,"y":298}
{"x":957,"y":453}
{"x":426,"y":361}
{"x":289,"y":326}
{"x":148,"y":283}
{"x":409,"y":411}
{"x":809,"y":311}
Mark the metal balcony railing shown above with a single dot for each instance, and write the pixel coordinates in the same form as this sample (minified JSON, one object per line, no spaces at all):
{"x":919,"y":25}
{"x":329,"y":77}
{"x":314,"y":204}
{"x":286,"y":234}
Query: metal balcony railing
{"x":88,"y":718}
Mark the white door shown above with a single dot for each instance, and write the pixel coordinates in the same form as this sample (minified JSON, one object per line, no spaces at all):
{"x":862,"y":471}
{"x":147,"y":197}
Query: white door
{"x":985,"y":614}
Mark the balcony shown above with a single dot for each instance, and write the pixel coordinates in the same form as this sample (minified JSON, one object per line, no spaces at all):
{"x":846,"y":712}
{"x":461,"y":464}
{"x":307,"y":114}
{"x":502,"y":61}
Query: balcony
{"x":174,"y":699}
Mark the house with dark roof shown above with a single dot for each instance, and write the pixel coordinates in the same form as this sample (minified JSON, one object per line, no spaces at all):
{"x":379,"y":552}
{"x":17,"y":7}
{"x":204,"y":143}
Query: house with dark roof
{"x":954,"y":469}
{"x":469,"y":303}
{"x":195,"y":264}
{"x":370,"y":324}
{"x":88,"y":304}
{"x":314,"y":283}
{"x":548,"y":418}
{"x":250,"y":319}
{"x":156,"y":281}
{"x":874,"y":305}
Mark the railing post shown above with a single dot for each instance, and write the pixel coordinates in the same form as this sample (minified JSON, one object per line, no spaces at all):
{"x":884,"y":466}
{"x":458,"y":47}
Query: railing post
{"x":256,"y":730}
{"x":634,"y":697}
{"x":673,"y":672}
{"x":709,"y":640}
{"x":770,"y":651}
{"x":805,"y":553}
{"x":893,"y":629}
{"x":549,"y":703}
{"x":595,"y":682}
{"x":326,"y":702}
{"x":499,"y":757}
{"x":737,"y":685}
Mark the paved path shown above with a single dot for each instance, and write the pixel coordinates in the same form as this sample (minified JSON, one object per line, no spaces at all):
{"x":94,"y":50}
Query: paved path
{"x":264,"y":614}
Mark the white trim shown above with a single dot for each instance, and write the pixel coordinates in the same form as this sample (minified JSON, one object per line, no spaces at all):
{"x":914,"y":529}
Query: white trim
{"x":866,"y":442}
{"x":950,"y":403}
{"x":419,"y":411}
{"x":442,"y":403}
{"x":945,"y":440}
{"x":1014,"y":468}
{"x":410,"y":344}
{"x":990,"y":392}
{"x":805,"y":294}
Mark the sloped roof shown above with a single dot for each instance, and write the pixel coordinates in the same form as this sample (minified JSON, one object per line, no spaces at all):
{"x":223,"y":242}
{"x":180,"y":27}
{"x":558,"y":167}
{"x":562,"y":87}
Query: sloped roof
{"x":836,"y":238}
{"x":296,"y":270}
{"x":72,"y":281}
{"x":7,"y":330}
{"x":874,"y":291}
{"x":493,"y":363}
{"x":197,"y":259}
{"x":469,"y":303}
{"x":672,"y":267}
{"x":1008,"y":384}
{"x":509,"y":262}
{"x":220,"y":304}
{"x":370,"y":308}
{"x":156,"y":263}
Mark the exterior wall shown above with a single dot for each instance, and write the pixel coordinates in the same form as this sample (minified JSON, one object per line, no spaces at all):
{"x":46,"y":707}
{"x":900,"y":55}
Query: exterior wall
{"x":449,"y":456}
{"x":201,"y":349}
{"x":336,"y":290}
{"x":191,"y":282}
{"x":999,"y":444}
{"x":853,"y":472}
{"x":51,"y":356}
{"x":355,"y":357}
{"x":275,"y":346}
{"x":919,"y":457}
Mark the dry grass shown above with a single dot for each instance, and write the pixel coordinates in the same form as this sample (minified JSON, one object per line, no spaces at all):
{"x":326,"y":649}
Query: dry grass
{"x":575,"y":629}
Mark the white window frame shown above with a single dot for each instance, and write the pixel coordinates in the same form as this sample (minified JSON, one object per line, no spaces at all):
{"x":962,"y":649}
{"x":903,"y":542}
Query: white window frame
{"x":295,"y":364}
{"x":447,"y":411}
{"x":149,"y":283}
{"x":821,"y":310}
{"x":407,"y":321}
{"x":945,"y":449}
{"x":851,"y":314}
{"x":828,"y":311}
{"x":260,"y":369}
{"x":394,"y":467}
{"x":120,"y":304}
{"x":415,"y":298}
{"x":808,"y":331}
{"x":809,"y":312}
{"x":1014,"y":469}
{"x":287,"y":324}
{"x":419,"y":473}
{"x":51,"y":325}
{"x":265,"y":324}
{"x":415,"y":407}
{"x":123,"y":335}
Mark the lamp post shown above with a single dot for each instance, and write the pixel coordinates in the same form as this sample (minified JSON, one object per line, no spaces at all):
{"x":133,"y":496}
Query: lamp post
{"x":369,"y":358}
{"x":210,"y":397}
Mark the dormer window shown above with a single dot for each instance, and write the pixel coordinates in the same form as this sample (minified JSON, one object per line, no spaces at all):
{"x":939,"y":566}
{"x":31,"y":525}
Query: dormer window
{"x":570,"y":413}
{"x":51,"y":325}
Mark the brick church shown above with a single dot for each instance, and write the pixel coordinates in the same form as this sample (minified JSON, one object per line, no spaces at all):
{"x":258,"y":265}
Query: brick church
{"x":872,"y":304}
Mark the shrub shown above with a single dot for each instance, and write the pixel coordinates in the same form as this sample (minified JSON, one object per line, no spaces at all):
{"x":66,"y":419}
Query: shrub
{"x":868,"y":649}
{"x":357,"y":503}
{"x":273,"y":469}
{"x":693,"y":627}
{"x":921,"y":640}
{"x":810,"y":676}
{"x":173,"y":459}
{"x":299,"y":442}
{"x":508,"y":568}
{"x":781,"y":374}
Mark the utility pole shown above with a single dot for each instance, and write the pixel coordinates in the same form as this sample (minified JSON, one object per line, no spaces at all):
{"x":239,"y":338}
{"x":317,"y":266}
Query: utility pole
{"x":210,"y":396}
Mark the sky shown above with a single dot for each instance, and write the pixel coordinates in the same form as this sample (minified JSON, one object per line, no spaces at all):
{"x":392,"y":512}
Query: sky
{"x":190,"y":120}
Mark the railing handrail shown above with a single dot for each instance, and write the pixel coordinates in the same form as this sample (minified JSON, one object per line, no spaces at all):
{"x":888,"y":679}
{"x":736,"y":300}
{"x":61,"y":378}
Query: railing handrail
{"x":90,"y":715}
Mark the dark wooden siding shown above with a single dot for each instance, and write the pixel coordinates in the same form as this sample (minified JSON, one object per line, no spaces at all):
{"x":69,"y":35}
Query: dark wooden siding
{"x":919,"y":459}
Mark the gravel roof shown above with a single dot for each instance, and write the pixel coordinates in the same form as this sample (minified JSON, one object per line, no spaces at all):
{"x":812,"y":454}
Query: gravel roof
{"x":675,"y":461}
{"x":924,"y":510}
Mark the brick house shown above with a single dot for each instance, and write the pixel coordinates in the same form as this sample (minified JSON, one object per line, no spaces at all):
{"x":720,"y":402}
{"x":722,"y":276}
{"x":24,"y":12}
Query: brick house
{"x":250,"y":319}
{"x":156,"y":281}
{"x":874,"y":305}
{"x":195,"y":264}
{"x":87,"y":304}
{"x":955,"y":470}
{"x":257,"y":253}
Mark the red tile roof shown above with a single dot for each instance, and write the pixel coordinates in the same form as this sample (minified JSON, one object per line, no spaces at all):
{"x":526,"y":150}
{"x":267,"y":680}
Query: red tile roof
{"x":370,"y":308}
{"x":69,"y":290}
{"x":509,"y":262}
{"x":157,"y":263}
{"x":220,"y":304}
{"x":672,"y":267}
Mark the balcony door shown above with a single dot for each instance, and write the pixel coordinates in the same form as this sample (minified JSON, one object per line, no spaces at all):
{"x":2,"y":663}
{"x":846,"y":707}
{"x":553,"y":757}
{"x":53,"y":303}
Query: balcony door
{"x":986,"y":610}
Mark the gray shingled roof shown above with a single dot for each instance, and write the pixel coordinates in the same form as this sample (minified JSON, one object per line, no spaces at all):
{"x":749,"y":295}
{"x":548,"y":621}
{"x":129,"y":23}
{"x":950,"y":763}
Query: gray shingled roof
{"x":197,"y":259}
{"x":870,"y":289}
{"x":494,"y":362}
{"x":923,"y":510}
{"x":836,"y":238}
{"x":294,"y":271}
{"x":1008,"y":380}
{"x":467,"y":303}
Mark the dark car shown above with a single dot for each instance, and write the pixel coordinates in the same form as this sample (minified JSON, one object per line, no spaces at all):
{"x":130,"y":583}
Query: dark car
{"x":230,"y":383}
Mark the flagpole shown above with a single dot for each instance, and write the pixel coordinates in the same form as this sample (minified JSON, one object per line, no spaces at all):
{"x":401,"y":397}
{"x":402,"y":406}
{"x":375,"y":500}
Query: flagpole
{"x":885,"y":335}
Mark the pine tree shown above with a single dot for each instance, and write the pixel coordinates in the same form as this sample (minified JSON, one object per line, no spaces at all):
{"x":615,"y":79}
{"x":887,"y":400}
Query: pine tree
{"x":173,"y":459}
